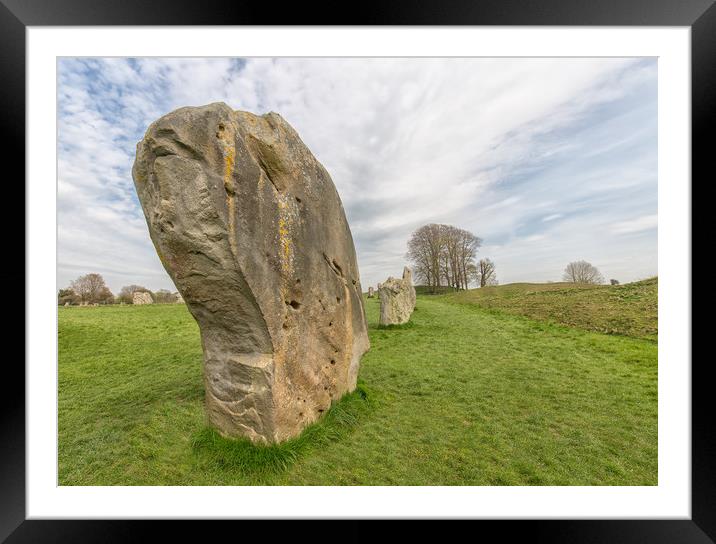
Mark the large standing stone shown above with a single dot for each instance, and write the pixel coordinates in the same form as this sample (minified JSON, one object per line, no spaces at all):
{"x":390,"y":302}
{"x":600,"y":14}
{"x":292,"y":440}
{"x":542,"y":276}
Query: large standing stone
{"x":142,"y":297}
{"x":251,"y":229}
{"x":397,"y":299}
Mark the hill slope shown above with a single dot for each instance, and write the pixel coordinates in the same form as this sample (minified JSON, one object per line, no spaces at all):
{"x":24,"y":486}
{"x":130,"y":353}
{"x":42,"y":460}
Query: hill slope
{"x":629,"y":309}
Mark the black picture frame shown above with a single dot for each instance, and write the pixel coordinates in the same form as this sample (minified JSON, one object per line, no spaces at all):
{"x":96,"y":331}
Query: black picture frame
{"x":16,"y":15}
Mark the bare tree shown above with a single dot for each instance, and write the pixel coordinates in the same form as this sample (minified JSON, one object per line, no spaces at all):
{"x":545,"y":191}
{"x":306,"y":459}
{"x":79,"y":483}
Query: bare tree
{"x":441,"y":255}
{"x":468,"y":244}
{"x":164,"y":297}
{"x":67,"y":296}
{"x":105,"y":296}
{"x":485,"y":272}
{"x":92,"y":289}
{"x":425,"y":249}
{"x":419,"y":253}
{"x":613,"y":282}
{"x":582,"y":272}
{"x":472,"y":273}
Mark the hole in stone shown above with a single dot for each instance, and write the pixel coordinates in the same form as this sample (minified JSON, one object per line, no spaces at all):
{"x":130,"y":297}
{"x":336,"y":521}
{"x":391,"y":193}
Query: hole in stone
{"x":330,"y":324}
{"x":320,"y":410}
{"x":333,"y":361}
{"x":298,"y":282}
{"x":285,"y":324}
{"x":294,"y":304}
{"x":338,"y":300}
{"x":300,"y":414}
{"x":298,"y":200}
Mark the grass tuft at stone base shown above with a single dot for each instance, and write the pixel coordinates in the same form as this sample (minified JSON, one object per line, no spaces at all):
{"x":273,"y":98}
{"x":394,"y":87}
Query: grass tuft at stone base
{"x":244,"y":456}
{"x":396,"y":327}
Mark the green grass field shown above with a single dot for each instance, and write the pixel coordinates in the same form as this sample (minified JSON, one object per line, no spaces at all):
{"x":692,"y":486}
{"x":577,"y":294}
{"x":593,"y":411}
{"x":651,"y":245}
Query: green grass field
{"x":462,"y":395}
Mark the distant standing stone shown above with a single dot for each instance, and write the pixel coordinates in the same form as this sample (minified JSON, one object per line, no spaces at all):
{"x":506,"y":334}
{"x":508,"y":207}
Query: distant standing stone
{"x":178,"y":298}
{"x":251,"y":229}
{"x":370,"y":292}
{"x":142,"y":297}
{"x":397,"y":299}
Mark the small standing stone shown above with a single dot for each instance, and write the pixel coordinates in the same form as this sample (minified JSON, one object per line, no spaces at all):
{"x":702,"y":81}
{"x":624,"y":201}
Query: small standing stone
{"x":142,"y":297}
{"x":397,"y":299}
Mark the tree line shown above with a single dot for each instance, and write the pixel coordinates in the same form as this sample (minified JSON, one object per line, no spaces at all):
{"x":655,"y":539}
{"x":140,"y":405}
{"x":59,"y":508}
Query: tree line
{"x":92,"y":289}
{"x":441,"y":255}
{"x":445,"y":256}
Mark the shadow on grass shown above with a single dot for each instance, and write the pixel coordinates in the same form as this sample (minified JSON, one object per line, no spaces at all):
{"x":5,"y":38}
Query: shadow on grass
{"x":257,"y":459}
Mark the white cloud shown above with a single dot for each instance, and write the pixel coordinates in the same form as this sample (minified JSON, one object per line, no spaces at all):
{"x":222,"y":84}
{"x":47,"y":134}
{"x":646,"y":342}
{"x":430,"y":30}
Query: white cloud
{"x":640,"y":224}
{"x":407,"y":141}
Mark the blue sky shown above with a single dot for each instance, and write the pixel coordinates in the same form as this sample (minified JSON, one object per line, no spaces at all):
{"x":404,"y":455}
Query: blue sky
{"x":547,"y":160}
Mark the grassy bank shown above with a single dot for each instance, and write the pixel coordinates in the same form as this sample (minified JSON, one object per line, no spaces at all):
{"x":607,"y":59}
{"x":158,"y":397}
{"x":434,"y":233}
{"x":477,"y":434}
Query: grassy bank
{"x":463,"y":396}
{"x":629,"y":309}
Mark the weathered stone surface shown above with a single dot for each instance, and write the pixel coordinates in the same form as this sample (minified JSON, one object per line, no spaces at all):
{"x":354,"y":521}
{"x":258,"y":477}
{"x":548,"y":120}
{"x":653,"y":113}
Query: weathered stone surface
{"x":142,"y":297}
{"x":251,"y":229}
{"x":370,"y":292}
{"x":397,"y":299}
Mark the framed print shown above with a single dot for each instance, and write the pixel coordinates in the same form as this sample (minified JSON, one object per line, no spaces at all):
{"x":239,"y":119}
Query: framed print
{"x":400,"y":267}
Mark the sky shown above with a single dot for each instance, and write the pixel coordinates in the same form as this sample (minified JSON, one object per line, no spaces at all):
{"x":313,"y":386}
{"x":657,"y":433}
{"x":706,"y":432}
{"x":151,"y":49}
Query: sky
{"x":547,"y":160}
